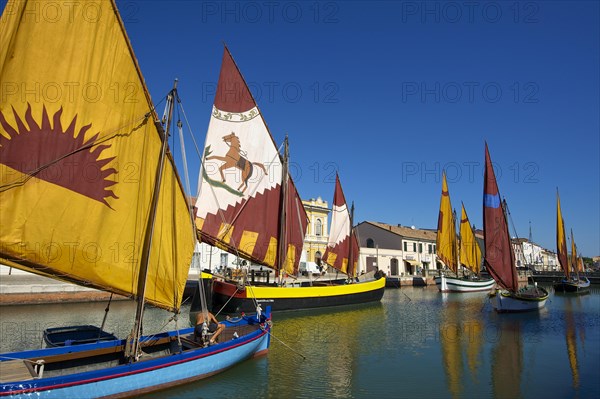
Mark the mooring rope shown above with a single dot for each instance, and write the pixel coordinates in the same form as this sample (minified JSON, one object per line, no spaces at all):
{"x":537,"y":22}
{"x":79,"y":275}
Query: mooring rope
{"x":287,"y":346}
{"x":223,"y":307}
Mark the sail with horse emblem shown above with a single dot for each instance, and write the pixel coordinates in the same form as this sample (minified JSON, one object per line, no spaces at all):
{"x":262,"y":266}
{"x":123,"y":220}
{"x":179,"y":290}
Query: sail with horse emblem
{"x":239,"y":205}
{"x":249,"y":206}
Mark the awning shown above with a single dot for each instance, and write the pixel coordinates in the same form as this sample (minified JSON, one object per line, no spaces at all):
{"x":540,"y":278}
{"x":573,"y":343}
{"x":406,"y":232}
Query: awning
{"x":413,"y":262}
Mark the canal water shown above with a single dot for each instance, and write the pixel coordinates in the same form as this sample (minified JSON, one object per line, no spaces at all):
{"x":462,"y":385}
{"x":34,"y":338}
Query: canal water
{"x":416,"y":343}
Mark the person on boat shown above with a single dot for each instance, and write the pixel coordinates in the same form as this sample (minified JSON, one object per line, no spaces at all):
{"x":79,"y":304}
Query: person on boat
{"x":214,"y":327}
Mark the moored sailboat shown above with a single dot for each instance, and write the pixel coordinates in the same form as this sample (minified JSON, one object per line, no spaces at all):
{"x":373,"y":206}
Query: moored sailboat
{"x":573,"y":281}
{"x":98,"y":203}
{"x":468,"y":255}
{"x":248,"y":205}
{"x":499,"y":253}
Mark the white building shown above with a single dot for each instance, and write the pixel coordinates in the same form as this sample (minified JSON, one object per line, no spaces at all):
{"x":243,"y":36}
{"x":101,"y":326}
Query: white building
{"x":396,"y":250}
{"x":530,"y":254}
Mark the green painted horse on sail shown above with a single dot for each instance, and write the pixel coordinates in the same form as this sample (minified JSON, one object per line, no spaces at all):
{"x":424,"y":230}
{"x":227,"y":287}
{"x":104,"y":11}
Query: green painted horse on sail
{"x":235,"y":159}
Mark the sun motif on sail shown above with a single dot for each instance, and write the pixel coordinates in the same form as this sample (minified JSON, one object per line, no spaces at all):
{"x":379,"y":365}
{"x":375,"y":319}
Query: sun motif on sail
{"x":48,"y":152}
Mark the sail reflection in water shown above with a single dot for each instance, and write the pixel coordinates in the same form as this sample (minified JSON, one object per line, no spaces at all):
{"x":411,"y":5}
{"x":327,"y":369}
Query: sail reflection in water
{"x":571,"y":330}
{"x":461,"y":331}
{"x":507,"y":360}
{"x":335,"y":343}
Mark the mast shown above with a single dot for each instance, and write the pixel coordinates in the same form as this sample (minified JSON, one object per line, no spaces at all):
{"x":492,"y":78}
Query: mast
{"x":457,"y":243}
{"x":281,"y":242}
{"x":350,"y":267}
{"x":561,"y":239}
{"x":510,"y":246}
{"x":574,"y":255}
{"x":133,"y":339}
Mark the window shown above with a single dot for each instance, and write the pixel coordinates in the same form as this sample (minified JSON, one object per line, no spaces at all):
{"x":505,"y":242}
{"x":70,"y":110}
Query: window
{"x":434,"y":249}
{"x":370,"y":243}
{"x":405,"y":246}
{"x":428,"y":248}
{"x":318,"y":257}
{"x":420,"y":248}
{"x":223,"y":260}
{"x":414,"y":247}
{"x":319,"y":228}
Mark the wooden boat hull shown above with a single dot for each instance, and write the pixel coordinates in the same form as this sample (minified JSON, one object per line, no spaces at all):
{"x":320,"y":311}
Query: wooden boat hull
{"x":131,"y":379}
{"x":234,"y":299}
{"x":520,"y":301}
{"x":579,"y":286}
{"x":453,"y":284}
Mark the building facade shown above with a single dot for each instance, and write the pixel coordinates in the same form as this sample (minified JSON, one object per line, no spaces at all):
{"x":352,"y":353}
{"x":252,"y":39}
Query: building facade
{"x":396,"y":250}
{"x":315,"y":240}
{"x":530,"y":254}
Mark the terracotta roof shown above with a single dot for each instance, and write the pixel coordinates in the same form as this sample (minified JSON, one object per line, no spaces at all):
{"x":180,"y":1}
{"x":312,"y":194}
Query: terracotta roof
{"x":407,"y":232}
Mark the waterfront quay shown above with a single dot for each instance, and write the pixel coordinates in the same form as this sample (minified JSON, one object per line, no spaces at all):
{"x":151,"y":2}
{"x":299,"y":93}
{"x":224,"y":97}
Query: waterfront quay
{"x":19,"y":288}
{"x":550,"y":277}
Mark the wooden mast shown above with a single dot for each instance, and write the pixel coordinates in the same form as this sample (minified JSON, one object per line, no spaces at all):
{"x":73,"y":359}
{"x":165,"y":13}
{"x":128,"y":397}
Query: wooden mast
{"x":350,"y":254}
{"x":281,"y":242}
{"x":134,"y":338}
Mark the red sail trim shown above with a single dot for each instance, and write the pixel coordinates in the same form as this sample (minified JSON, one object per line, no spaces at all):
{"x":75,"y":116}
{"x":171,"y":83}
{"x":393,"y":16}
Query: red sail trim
{"x":499,"y":255}
{"x":248,"y":215}
{"x":353,"y":264}
{"x":232,"y":94}
{"x":258,"y":212}
{"x":338,"y":196}
{"x":342,"y":251}
{"x":296,"y":223}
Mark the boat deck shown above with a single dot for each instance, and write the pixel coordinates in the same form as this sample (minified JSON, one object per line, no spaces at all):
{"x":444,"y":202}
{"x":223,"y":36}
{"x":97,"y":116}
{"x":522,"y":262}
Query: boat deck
{"x":16,"y":370}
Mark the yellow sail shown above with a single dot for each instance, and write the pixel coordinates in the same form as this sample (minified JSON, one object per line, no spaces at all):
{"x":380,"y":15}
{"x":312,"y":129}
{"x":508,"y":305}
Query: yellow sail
{"x":446,"y":232}
{"x":470,"y":253}
{"x":574,"y":266}
{"x":79,"y":154}
{"x":561,"y":239}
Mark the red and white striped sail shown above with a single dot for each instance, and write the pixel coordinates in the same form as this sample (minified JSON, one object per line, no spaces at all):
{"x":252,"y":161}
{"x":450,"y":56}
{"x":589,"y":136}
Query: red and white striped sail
{"x":239,"y":205}
{"x":342,"y":249}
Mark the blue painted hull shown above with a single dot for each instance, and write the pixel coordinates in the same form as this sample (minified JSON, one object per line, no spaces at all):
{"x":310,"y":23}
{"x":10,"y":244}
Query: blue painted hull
{"x":135,"y":378}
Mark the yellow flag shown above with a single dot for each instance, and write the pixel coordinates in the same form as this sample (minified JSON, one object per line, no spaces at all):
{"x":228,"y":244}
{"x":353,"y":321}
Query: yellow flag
{"x":79,"y":154}
{"x":446,"y":231}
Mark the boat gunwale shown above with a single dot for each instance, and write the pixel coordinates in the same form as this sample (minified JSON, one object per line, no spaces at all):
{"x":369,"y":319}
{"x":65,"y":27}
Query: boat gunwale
{"x":50,"y":383}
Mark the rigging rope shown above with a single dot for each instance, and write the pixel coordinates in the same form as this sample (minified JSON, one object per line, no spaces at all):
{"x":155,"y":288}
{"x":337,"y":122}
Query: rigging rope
{"x":287,"y":346}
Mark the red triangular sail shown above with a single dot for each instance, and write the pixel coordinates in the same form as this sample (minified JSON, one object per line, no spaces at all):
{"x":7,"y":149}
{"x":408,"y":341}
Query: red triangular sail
{"x":499,"y":254}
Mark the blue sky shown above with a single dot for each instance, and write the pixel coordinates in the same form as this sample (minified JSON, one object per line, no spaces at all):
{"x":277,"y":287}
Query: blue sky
{"x":390,"y":93}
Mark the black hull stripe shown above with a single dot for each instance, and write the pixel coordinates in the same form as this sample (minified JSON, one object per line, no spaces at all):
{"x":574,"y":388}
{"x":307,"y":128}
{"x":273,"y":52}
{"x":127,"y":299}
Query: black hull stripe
{"x":237,"y":305}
